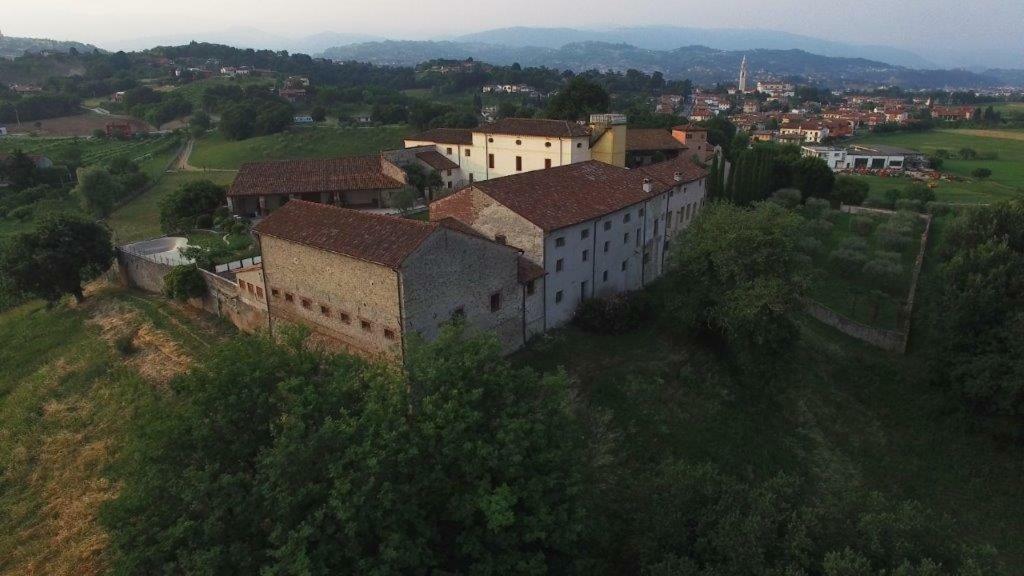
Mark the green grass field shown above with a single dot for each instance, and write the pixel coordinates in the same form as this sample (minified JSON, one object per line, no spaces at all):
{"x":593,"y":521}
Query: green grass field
{"x":967,"y":192}
{"x":140,"y":218}
{"x":214,"y":151}
{"x":1007,"y":178}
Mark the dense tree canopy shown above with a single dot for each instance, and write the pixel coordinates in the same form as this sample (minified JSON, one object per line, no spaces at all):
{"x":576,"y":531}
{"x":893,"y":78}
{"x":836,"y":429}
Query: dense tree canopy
{"x":180,"y":208}
{"x":578,"y":101}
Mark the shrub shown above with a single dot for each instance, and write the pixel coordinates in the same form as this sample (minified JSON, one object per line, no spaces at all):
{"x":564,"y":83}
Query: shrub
{"x":184,"y":282}
{"x":854,"y":243}
{"x":850,"y":191}
{"x":847,"y":262}
{"x":21,"y":213}
{"x":788,"y":197}
{"x":816,"y":206}
{"x":909,"y":204}
{"x":893,"y":239}
{"x":239,"y":227}
{"x":884,"y":273}
{"x":204,"y":221}
{"x":981,"y":173}
{"x":862,"y":225}
{"x":810,"y":246}
{"x":938,"y":208}
{"x":221,"y":213}
{"x":819,"y":227}
{"x":918,"y":191}
{"x":613,"y":315}
{"x":877,"y":203}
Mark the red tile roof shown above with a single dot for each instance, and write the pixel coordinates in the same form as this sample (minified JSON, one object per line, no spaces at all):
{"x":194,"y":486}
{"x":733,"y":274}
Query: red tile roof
{"x":665,"y":171}
{"x":651,"y":139}
{"x":376,"y":238}
{"x":312,"y":175}
{"x":558,"y":197}
{"x":535,"y":127}
{"x":436,"y":160}
{"x":444,"y":136}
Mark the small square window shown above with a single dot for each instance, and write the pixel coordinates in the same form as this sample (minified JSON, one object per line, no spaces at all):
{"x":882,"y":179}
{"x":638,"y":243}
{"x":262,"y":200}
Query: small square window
{"x":449,"y":151}
{"x":531,"y":287}
{"x":585,"y":233}
{"x":306,"y":303}
{"x":640,"y":212}
{"x":467,"y":152}
{"x":325,"y":310}
{"x":558,"y":297}
{"x":558,"y":265}
{"x":608,"y":225}
{"x":627,"y":217}
{"x":365,"y":325}
{"x":625,"y":238}
{"x":495,"y":301}
{"x":604,"y":276}
{"x":288,"y":297}
{"x":606,"y":244}
{"x":275,"y":292}
{"x":586,"y":255}
{"x":345,"y":317}
{"x":459,"y":313}
{"x":579,"y":144}
{"x":560,"y":241}
{"x":259,"y":292}
{"x":389,"y":334}
{"x":547,"y":161}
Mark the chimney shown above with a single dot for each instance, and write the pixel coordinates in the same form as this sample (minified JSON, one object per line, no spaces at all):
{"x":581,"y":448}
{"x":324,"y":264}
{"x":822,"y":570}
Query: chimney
{"x":500,"y":238}
{"x":648,"y":185}
{"x":678,"y":176}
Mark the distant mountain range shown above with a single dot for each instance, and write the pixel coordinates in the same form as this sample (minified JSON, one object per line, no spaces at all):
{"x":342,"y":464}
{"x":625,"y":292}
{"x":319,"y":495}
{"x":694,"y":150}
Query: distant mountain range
{"x":700,"y":64}
{"x":12,"y":47}
{"x":247,"y":37}
{"x":672,"y":37}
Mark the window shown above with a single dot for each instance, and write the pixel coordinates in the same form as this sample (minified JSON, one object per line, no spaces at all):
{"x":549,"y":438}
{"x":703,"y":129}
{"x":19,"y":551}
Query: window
{"x":325,"y":310}
{"x":560,"y":241}
{"x":449,"y":184}
{"x":547,"y":162}
{"x":519,"y":163}
{"x":558,"y":297}
{"x":495,"y":301}
{"x":470,"y":177}
{"x":467,"y":152}
{"x":459,"y":313}
{"x":586,"y":255}
{"x":668,"y":220}
{"x":625,"y":265}
{"x":585,"y":233}
{"x":389,"y":334}
{"x":647,"y":257}
{"x":490,"y":160}
{"x":583,"y":290}
{"x":531,"y":287}
{"x":608,"y":225}
{"x":345,"y":317}
{"x":606,"y":244}
{"x":625,"y":238}
{"x":579,"y":144}
{"x":306,"y":303}
{"x":627,"y":217}
{"x":604,"y":276}
{"x":639,"y":239}
{"x":288,"y":297}
{"x":448,"y":150}
{"x":558,"y":265}
{"x":640,"y":212}
{"x":656,"y":226}
{"x":365,"y":325}
{"x":275,"y":292}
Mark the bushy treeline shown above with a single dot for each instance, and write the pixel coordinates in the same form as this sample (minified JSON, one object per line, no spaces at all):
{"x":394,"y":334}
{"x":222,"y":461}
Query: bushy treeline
{"x":16,"y":108}
{"x":980,"y":352}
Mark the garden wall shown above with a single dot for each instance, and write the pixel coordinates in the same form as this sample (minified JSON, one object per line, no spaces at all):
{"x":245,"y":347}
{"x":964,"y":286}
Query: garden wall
{"x":892,"y":340}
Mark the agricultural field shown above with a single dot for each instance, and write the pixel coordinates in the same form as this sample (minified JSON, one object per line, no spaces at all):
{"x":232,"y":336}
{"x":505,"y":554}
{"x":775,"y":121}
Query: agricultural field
{"x":1007,"y":164}
{"x":216,"y":152}
{"x":965,"y":192}
{"x":73,"y":377}
{"x":77,"y":125}
{"x":863,"y":267}
{"x":93,"y":150}
{"x":140,"y":218}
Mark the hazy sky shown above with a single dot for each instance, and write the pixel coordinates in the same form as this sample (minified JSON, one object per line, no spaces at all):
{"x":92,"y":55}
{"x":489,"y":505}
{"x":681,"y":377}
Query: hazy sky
{"x":923,"y":25}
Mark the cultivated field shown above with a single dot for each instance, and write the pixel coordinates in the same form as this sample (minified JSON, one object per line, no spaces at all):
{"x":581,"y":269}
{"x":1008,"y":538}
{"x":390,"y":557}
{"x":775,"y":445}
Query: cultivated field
{"x":78,"y":125}
{"x":215,"y":151}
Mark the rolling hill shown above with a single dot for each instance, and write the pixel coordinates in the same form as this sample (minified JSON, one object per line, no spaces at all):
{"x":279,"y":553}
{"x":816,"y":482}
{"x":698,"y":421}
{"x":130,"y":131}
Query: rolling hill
{"x":12,"y":47}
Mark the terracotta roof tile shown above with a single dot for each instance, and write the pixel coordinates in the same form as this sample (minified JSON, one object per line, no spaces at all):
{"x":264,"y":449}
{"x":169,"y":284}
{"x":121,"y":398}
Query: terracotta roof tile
{"x":444,"y":136}
{"x":562,"y":196}
{"x":436,"y":160}
{"x":529,"y":270}
{"x":665,"y":171}
{"x":535,"y":127}
{"x":376,"y":238}
{"x":312,"y":175}
{"x":651,"y":139}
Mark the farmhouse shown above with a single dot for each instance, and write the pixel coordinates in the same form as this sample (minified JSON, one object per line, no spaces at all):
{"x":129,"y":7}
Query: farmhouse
{"x":508,"y":146}
{"x":594,"y":229}
{"x":368,"y":282}
{"x":357,"y":182}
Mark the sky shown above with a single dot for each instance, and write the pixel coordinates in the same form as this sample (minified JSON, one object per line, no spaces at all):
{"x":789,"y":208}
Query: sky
{"x":938,"y":29}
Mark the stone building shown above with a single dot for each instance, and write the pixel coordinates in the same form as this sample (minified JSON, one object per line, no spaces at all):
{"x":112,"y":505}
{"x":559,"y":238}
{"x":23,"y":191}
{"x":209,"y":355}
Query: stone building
{"x":355,"y":182}
{"x":367,"y":282}
{"x":594,"y":229}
